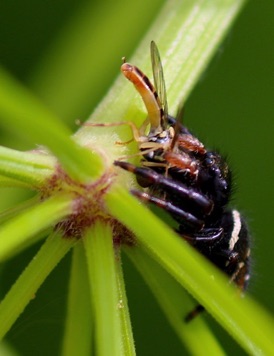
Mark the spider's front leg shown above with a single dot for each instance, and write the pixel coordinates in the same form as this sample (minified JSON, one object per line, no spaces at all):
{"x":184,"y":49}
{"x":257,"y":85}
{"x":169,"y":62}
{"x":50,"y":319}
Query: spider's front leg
{"x":182,"y":192}
{"x":170,"y":208}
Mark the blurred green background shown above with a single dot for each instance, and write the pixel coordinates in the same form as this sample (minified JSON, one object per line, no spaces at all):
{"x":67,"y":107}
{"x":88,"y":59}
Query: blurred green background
{"x":230,"y":109}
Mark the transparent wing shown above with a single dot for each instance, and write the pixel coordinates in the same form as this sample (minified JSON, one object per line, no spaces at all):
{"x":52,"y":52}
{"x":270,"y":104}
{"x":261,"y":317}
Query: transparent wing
{"x":158,"y":75}
{"x":180,"y":113}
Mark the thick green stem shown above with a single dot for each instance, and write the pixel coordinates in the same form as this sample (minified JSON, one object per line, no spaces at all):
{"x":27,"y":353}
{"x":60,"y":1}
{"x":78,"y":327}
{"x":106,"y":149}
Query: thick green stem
{"x":103,"y":282}
{"x":79,"y":323}
{"x":31,"y":168}
{"x":128,"y":340}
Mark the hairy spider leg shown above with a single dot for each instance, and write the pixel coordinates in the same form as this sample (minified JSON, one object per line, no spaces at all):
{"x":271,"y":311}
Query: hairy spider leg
{"x":181,"y":190}
{"x":172,"y":209}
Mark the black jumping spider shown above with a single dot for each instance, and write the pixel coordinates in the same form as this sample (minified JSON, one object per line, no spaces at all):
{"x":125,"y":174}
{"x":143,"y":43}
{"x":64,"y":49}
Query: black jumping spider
{"x":188,"y":181}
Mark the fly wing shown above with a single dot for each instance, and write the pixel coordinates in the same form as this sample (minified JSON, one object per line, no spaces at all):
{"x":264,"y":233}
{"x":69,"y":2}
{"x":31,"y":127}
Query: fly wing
{"x":159,"y":81}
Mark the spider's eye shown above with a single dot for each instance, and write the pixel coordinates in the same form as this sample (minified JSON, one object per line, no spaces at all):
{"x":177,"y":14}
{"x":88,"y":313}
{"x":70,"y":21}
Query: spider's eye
{"x":210,"y":161}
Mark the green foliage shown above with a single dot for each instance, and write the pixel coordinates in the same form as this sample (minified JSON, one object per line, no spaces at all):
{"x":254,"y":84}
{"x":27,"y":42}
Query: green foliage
{"x":72,"y":175}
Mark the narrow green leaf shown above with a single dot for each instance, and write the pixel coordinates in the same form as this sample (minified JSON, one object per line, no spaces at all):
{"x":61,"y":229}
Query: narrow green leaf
{"x":103,"y":281}
{"x":14,"y":183}
{"x":128,"y":341}
{"x":176,"y":304}
{"x":245,"y":320}
{"x":27,"y":167}
{"x":24,"y":115}
{"x":30,"y":280}
{"x":20,"y":231}
{"x":14,"y":211}
{"x":79,"y":322}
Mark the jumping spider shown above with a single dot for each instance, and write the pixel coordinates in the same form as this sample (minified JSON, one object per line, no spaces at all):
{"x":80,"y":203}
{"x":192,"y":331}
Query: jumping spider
{"x":188,"y":181}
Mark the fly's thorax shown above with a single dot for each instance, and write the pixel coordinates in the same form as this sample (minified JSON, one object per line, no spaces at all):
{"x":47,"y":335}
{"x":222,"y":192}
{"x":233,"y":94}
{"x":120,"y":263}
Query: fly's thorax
{"x":163,"y":136}
{"x":154,"y":146}
{"x":156,"y":131}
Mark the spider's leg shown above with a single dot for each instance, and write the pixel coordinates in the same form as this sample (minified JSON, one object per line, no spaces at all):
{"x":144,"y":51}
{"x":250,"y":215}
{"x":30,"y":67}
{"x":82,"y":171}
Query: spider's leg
{"x":189,"y":219}
{"x":206,"y":237}
{"x":180,"y":190}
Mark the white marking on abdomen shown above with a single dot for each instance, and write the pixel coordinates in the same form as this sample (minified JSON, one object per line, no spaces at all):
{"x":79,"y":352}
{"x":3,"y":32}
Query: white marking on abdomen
{"x":236,"y":229}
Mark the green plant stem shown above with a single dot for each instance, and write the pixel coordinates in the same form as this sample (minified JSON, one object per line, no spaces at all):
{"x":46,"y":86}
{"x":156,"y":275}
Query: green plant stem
{"x":246,"y":321}
{"x":26,"y":286}
{"x":128,"y":340}
{"x":103,"y":282}
{"x":30,"y":118}
{"x":14,"y":211}
{"x":20,"y":231}
{"x":79,"y":323}
{"x":175,"y":303}
{"x":6,"y":182}
{"x":27,"y":167}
